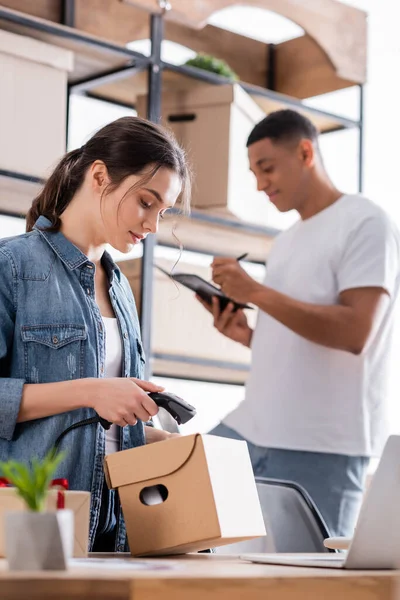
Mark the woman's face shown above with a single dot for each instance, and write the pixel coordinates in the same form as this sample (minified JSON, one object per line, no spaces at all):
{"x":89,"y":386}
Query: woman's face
{"x":129,"y":216}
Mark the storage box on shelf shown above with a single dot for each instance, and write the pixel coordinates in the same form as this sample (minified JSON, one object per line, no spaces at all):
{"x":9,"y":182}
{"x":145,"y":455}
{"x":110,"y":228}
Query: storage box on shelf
{"x":213,"y":124}
{"x":33,"y":103}
{"x":183,"y":329}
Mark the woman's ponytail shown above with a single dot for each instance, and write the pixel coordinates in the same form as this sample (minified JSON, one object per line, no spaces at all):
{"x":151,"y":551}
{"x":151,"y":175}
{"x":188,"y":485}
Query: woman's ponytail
{"x":57,"y":192}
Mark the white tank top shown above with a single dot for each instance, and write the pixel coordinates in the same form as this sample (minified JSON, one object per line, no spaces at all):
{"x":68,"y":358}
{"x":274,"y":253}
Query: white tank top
{"x":113,"y":368}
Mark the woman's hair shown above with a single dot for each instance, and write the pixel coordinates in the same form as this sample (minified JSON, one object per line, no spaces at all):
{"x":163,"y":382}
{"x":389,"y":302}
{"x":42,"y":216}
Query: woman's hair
{"x":128,"y":146}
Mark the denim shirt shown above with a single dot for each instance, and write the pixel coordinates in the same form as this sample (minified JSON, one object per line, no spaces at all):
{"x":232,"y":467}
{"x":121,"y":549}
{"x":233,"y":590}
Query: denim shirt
{"x":51,"y":330}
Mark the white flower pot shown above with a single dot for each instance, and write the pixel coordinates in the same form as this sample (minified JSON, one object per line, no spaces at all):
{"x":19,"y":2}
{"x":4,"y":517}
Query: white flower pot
{"x":37,"y":541}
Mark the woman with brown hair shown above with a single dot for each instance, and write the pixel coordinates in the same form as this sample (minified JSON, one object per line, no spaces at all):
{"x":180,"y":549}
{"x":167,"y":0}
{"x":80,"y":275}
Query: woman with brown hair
{"x":70,"y":345}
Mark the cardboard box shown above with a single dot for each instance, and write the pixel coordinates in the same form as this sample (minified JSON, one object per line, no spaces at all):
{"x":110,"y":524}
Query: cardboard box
{"x":78,"y":502}
{"x":33,"y":103}
{"x":213,"y":122}
{"x":181,"y":325}
{"x":203,"y":488}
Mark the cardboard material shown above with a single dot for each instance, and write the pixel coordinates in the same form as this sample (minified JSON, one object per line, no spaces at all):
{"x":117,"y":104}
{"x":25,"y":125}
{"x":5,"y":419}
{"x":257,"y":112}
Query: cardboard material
{"x":181,"y":325}
{"x":213,"y":123}
{"x":78,"y":502}
{"x":33,"y":103}
{"x":186,"y":494}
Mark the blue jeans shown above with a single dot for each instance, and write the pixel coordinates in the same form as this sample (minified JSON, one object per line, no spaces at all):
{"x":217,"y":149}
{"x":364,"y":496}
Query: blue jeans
{"x":105,"y":538}
{"x":334,"y":481}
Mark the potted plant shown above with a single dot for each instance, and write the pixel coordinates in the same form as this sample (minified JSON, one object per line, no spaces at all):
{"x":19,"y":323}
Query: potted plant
{"x":213,"y":65}
{"x":36,"y":539}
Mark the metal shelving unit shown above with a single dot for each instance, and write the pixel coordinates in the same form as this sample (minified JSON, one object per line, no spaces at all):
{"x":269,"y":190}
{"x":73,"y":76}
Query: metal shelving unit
{"x":114,"y":73}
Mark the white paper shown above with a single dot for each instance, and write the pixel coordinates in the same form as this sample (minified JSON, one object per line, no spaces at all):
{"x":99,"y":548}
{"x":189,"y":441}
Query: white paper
{"x":126,"y":564}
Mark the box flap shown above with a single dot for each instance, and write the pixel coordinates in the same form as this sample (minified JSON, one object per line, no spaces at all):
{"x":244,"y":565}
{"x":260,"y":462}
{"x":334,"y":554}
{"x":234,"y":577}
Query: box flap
{"x":204,"y":95}
{"x":148,"y":462}
{"x":36,"y":51}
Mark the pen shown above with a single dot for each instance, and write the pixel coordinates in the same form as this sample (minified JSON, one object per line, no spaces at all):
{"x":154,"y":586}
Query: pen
{"x":242,"y":256}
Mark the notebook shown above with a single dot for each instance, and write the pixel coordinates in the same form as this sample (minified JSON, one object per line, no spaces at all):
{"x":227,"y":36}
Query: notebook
{"x":203,"y":288}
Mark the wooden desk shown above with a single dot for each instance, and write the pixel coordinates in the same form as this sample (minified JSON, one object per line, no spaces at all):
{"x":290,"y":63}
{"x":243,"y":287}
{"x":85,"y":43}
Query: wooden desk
{"x":196,"y":577}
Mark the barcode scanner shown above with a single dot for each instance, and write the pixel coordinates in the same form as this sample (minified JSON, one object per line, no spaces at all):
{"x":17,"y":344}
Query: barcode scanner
{"x":179,"y":409}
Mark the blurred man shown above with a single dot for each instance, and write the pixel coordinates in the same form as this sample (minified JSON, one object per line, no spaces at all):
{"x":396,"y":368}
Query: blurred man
{"x":315,"y":402}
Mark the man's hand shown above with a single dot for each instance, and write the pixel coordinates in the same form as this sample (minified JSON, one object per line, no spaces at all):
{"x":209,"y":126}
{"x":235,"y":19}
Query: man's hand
{"x":232,"y":324}
{"x":233,"y":280}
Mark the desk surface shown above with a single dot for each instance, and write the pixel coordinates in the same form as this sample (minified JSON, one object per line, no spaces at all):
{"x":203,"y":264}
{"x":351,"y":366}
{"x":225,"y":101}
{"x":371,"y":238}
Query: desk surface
{"x":194,"y":577}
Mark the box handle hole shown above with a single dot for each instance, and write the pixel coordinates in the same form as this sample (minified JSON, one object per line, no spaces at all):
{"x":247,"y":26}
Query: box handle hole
{"x":181,"y":118}
{"x":154,"y":494}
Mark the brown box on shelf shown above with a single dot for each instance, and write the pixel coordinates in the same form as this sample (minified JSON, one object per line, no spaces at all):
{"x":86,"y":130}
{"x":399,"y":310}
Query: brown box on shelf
{"x":186,"y":494}
{"x":78,"y":502}
{"x":183,"y":328}
{"x":213,"y":124}
{"x":33,"y":103}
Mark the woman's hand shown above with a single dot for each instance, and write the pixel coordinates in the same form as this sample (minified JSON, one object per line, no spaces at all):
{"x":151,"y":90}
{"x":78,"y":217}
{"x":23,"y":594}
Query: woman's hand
{"x":122,"y":400}
{"x":158,"y":435}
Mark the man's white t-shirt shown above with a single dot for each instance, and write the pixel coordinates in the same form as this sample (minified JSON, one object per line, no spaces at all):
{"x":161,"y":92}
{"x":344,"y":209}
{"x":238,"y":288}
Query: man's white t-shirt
{"x":301,"y":395}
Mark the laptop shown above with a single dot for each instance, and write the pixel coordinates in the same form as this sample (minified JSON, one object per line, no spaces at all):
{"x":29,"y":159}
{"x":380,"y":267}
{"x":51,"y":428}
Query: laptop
{"x":376,"y":540}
